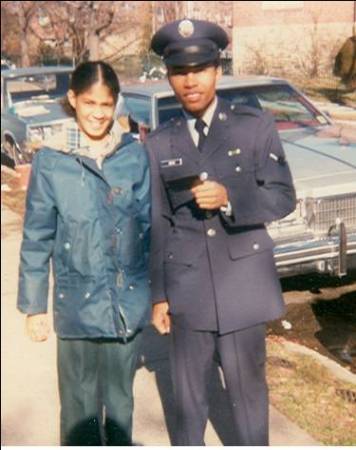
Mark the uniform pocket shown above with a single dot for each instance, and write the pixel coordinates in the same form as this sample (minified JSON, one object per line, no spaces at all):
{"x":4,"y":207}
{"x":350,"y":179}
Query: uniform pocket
{"x":248,"y":243}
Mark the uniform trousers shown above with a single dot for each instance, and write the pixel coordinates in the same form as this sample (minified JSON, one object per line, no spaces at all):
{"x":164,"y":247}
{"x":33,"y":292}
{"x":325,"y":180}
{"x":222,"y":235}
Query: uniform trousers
{"x":95,"y":388}
{"x":242,"y":356}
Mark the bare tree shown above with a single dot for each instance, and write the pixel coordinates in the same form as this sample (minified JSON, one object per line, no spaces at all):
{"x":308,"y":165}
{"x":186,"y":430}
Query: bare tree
{"x":92,"y":22}
{"x":84,"y":26}
{"x":25,"y":11}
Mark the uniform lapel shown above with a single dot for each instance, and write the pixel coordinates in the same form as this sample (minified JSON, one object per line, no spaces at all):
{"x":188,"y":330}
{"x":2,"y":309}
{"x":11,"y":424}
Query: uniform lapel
{"x":219,"y":129}
{"x":181,"y":141}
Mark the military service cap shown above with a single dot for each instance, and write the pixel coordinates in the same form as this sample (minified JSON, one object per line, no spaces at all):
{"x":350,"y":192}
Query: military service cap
{"x":189,"y":42}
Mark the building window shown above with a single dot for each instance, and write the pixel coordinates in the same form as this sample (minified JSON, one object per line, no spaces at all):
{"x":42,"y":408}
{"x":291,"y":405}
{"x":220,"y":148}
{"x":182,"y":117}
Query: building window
{"x":282,"y":5}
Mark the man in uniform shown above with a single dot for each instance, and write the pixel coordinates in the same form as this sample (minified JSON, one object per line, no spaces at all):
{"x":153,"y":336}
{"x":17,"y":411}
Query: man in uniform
{"x":218,"y":175}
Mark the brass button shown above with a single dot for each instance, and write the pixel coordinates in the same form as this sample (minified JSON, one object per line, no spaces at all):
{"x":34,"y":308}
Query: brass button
{"x":203,"y":176}
{"x":256,"y":246}
{"x":211,"y":232}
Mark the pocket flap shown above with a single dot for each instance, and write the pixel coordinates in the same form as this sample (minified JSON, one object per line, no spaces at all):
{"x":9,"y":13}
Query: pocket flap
{"x":248,"y":243}
{"x":187,"y":253}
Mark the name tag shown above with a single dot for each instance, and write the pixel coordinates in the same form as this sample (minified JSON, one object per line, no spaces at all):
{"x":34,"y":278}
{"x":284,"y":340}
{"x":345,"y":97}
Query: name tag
{"x":171,"y":162}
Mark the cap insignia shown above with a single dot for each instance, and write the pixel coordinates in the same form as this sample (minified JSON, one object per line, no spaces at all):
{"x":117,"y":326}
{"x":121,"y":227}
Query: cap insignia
{"x":186,"y":28}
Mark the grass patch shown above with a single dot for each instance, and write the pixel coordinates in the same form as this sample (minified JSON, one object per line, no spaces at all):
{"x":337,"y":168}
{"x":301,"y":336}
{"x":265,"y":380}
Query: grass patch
{"x":307,"y":393}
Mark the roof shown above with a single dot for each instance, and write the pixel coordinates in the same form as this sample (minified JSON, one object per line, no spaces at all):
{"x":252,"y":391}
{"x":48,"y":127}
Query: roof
{"x":162,"y":88}
{"x":38,"y":70}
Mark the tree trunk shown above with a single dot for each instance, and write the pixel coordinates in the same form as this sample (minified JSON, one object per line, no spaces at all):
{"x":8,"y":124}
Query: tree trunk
{"x":25,"y":58}
{"x":93,"y":46}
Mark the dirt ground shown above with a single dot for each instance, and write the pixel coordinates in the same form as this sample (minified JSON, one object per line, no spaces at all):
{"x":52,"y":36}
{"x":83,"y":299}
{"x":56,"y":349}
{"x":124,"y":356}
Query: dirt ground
{"x":321,"y":314}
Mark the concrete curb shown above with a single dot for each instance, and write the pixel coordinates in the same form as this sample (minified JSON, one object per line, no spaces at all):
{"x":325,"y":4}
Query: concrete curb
{"x":339,"y":371}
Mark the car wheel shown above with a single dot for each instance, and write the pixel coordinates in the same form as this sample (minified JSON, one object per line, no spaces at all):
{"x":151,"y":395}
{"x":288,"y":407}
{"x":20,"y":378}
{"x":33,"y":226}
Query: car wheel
{"x":12,"y":150}
{"x":6,"y":160}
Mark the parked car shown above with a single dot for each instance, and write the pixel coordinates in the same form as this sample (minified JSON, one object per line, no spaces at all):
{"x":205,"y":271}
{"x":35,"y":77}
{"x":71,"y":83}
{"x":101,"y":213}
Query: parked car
{"x":320,"y":235}
{"x":30,"y":109}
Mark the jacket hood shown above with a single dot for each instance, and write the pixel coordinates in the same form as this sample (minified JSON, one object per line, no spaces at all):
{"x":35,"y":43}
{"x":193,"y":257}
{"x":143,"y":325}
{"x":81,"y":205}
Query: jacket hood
{"x":71,"y":139}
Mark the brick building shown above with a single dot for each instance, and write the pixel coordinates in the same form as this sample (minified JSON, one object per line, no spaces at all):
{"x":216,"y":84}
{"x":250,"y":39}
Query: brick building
{"x":289,"y":37}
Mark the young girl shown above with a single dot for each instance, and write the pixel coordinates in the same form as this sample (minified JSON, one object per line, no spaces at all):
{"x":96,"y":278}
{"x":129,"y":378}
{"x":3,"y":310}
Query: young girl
{"x":88,"y":212}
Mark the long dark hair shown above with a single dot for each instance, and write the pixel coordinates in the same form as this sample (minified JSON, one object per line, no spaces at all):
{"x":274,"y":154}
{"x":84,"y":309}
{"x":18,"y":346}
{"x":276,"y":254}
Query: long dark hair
{"x":88,"y":73}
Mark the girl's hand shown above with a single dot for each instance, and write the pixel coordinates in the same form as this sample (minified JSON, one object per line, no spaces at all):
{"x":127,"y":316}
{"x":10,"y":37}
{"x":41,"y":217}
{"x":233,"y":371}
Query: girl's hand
{"x":37,"y":327}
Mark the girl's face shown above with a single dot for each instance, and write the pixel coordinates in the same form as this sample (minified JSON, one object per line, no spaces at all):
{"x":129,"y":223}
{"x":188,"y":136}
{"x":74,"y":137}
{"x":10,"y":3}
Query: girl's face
{"x":94,"y":110}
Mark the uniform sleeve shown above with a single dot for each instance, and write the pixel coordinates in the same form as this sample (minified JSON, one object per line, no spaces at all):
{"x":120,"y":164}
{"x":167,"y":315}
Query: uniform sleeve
{"x":269,"y":193}
{"x":37,"y":244}
{"x":159,"y":229}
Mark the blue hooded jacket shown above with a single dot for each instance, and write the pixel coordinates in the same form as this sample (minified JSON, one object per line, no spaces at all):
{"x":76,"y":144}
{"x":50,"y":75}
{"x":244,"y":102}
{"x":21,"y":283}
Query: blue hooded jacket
{"x":94,"y":225}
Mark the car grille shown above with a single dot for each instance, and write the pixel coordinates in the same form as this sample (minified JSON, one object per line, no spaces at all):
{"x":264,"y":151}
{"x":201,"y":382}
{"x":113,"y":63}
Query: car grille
{"x":327,"y":210}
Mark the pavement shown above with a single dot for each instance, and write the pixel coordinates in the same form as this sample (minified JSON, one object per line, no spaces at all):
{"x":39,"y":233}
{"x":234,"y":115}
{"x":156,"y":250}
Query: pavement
{"x":29,"y":396}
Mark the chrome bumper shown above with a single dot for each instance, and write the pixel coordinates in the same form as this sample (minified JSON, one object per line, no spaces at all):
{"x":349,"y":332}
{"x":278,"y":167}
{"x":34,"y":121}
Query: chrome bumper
{"x":334,"y":255}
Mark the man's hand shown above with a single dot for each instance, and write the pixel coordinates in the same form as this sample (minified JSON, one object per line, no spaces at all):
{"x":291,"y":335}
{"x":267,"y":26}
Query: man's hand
{"x":210,"y":195}
{"x":37,"y":327}
{"x":160,"y":317}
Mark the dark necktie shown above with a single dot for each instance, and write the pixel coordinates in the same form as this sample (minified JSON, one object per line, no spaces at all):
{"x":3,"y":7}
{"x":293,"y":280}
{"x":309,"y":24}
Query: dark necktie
{"x":199,"y":126}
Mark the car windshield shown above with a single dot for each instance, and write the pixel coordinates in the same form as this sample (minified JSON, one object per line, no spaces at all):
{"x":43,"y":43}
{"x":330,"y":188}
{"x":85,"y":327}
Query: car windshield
{"x":138,"y":107}
{"x":288,"y":107}
{"x":37,"y":87}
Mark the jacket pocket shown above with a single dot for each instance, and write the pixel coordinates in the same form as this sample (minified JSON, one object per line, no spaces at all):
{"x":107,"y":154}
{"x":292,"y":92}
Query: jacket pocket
{"x":247,"y":243}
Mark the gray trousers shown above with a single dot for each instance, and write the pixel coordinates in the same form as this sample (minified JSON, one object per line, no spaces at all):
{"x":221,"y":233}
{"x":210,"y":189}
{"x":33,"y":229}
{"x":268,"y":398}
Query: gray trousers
{"x":242,"y":357}
{"x":95,"y":388}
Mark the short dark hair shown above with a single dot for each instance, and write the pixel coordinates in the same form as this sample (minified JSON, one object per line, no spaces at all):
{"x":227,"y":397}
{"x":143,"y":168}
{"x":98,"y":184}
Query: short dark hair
{"x":88,"y":73}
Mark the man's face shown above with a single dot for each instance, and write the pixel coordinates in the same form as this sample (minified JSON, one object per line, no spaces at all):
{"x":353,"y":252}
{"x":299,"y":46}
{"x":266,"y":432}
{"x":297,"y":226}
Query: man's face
{"x":194,"y":87}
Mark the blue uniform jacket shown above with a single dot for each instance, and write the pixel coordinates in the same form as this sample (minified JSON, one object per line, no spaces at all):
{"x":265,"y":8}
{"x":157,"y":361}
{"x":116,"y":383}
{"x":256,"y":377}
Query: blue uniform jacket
{"x":218,"y":272}
{"x":94,"y":225}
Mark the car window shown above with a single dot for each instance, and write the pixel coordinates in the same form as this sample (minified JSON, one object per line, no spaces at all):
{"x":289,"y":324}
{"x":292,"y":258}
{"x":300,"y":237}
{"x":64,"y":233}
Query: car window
{"x":289,"y":108}
{"x":138,"y":107}
{"x":37,"y":87}
{"x":168,"y":108}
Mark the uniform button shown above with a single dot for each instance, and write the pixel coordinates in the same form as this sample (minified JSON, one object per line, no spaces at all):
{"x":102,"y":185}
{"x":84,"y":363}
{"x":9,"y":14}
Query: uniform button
{"x":170,"y":255}
{"x":140,"y":235}
{"x":237,"y":169}
{"x":131,"y":287}
{"x":61,"y":295}
{"x":87,"y":295}
{"x":67,"y":245}
{"x":203,"y":176}
{"x":256,"y":246}
{"x":211,"y":232}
